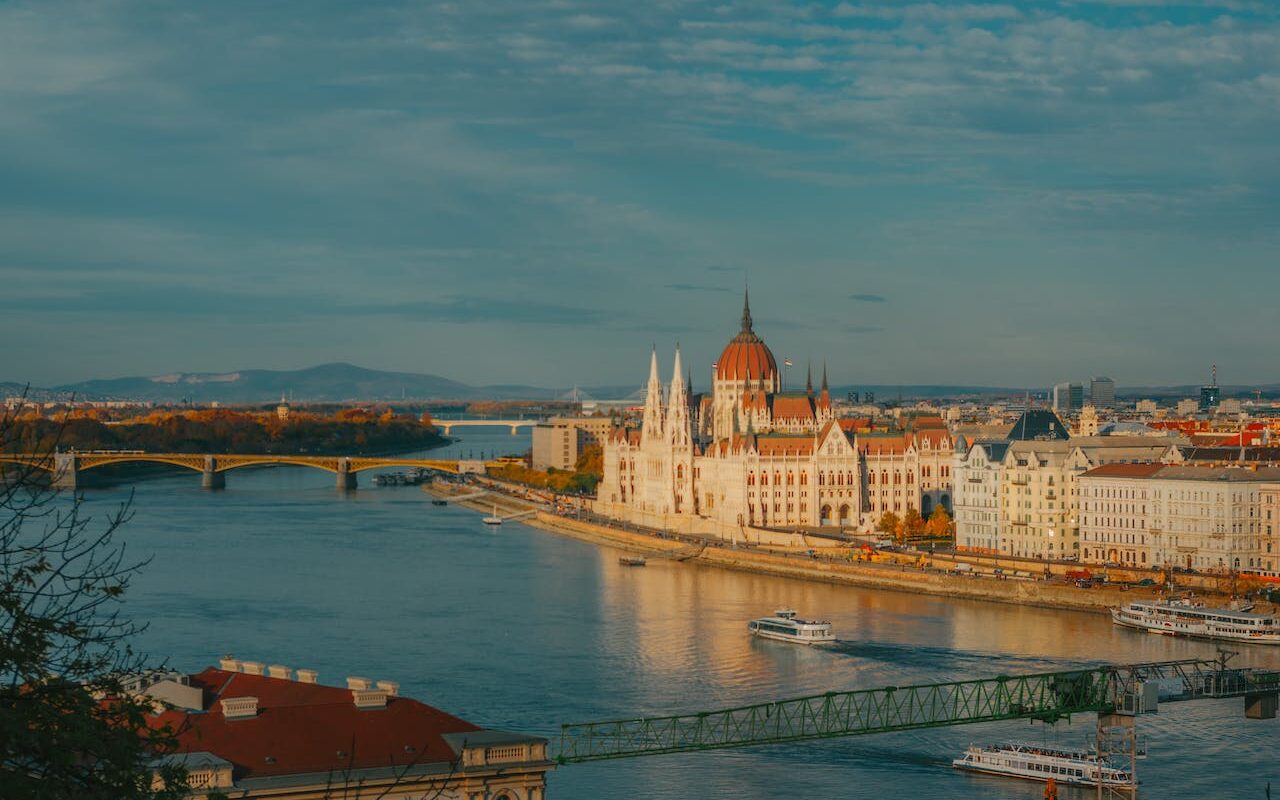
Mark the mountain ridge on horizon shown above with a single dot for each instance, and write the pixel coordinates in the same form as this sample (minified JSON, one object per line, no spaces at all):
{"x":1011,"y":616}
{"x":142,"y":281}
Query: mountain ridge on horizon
{"x":342,"y":381}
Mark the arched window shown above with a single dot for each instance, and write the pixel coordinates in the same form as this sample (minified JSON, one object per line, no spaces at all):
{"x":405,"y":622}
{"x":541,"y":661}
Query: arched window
{"x":804,"y":479}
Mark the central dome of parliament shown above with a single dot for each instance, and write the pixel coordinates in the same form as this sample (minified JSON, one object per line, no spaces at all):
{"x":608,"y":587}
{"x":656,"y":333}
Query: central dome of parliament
{"x":746,"y":356}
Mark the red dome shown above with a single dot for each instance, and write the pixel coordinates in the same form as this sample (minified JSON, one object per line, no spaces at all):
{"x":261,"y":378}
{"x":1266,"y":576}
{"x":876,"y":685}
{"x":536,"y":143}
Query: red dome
{"x":746,"y":356}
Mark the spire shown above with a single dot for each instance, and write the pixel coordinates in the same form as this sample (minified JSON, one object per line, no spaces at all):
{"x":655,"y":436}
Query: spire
{"x":746,"y":311}
{"x":679,"y":427}
{"x":677,"y":383}
{"x":653,"y":407}
{"x":808,"y":379}
{"x":824,"y":376}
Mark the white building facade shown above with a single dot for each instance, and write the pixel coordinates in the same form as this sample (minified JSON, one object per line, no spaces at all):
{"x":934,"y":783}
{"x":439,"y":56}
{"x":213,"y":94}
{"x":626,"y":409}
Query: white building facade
{"x":748,"y":456}
{"x":1207,"y":519}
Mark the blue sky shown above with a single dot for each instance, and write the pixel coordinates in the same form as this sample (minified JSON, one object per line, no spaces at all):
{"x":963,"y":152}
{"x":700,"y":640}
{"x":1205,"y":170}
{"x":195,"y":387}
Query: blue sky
{"x":518,"y":192}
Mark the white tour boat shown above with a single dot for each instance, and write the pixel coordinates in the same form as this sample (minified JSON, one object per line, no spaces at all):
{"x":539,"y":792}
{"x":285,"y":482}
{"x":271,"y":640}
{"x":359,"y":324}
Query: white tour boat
{"x":1186,"y":618}
{"x":786,"y":627}
{"x":1038,"y":763}
{"x":493,"y":519}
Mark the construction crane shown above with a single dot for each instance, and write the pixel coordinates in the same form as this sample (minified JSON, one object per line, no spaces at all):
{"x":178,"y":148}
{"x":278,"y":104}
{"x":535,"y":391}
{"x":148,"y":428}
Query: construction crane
{"x":1114,"y":693}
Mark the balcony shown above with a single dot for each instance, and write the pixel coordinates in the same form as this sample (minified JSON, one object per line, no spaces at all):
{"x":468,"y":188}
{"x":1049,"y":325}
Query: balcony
{"x":1019,"y":481}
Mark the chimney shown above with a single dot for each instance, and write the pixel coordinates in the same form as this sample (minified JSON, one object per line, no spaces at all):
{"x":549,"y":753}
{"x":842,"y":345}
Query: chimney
{"x":307,"y":675}
{"x":280,"y":671}
{"x":229,"y":664}
{"x":369,"y":698}
{"x":239,"y":707}
{"x":356,"y":682}
{"x":391,"y":688}
{"x":251,"y":667}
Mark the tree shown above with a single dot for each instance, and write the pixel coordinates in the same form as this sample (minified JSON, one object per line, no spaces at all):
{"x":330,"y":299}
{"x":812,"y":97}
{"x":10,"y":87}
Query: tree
{"x":939,"y":525}
{"x":68,"y":726}
{"x":889,"y":524}
{"x":912,"y":525}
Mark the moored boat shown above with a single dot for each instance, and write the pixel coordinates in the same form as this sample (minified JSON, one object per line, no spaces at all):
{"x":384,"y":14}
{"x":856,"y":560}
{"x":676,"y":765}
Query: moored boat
{"x":632,"y":561}
{"x":1039,"y":763}
{"x":492,"y":519}
{"x":785,"y":626}
{"x":1184,"y":617}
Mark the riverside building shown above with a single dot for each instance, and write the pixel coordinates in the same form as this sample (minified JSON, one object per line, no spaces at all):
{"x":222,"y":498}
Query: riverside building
{"x":1020,"y":496}
{"x":1210,"y":519}
{"x":753,"y":455}
{"x":246,"y":730}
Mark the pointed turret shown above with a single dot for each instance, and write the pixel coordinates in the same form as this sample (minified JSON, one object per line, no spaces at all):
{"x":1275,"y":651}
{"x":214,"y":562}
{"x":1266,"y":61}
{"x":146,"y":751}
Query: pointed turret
{"x":824,"y":396}
{"x":808,"y":379}
{"x":653,"y":411}
{"x":746,"y":311}
{"x":679,"y":424}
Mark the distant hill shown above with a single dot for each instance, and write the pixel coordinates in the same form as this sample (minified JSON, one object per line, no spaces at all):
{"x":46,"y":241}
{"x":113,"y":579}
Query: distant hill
{"x":327,"y":382}
{"x":346,"y":382}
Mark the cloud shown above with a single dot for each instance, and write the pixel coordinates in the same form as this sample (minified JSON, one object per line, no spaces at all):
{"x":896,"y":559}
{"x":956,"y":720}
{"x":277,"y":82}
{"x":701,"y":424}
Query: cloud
{"x":693,"y":287}
{"x":868,"y":298}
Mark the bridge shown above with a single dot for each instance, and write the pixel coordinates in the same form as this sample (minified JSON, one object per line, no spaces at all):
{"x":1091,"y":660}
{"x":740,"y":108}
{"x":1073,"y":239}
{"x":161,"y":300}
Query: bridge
{"x":514,"y":424}
{"x":66,"y":468}
{"x":1116,"y":694}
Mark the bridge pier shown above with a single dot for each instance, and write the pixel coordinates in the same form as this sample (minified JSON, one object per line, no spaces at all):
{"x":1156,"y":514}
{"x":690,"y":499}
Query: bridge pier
{"x":210,"y":478}
{"x":346,"y":478}
{"x":66,"y":471}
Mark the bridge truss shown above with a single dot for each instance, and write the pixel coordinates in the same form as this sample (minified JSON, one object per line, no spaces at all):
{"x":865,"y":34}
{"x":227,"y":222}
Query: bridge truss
{"x":1048,"y":697}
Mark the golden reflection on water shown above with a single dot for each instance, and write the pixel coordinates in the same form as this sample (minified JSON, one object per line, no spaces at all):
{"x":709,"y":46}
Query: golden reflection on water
{"x":682,"y":620}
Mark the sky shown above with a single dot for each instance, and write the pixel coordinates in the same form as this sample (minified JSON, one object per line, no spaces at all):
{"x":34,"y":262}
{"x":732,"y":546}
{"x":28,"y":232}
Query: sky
{"x":520,"y":192}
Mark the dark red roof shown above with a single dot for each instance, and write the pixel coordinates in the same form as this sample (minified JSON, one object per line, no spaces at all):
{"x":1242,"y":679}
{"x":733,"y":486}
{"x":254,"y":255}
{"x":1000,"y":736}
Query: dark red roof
{"x":302,"y":727}
{"x":1125,"y":470}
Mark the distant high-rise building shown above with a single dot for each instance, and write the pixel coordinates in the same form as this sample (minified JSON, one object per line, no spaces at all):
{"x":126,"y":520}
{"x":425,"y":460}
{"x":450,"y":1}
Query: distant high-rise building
{"x":1102,"y":392}
{"x":1211,"y":396}
{"x":1067,"y":397}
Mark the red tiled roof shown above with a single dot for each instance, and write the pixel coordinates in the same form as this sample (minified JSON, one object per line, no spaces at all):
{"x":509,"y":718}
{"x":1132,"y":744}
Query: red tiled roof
{"x":301,"y":728}
{"x":784,"y":446}
{"x":792,"y":407}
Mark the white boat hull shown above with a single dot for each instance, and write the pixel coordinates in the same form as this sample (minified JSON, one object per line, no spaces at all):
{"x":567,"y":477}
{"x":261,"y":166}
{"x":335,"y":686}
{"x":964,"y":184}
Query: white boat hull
{"x":1189,"y":629}
{"x":780,"y":637}
{"x":1070,"y":768}
{"x":1062,"y":780}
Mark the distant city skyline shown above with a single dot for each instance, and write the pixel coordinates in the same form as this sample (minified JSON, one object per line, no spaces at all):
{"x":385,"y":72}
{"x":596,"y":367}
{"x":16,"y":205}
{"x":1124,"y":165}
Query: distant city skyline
{"x":917,"y":193}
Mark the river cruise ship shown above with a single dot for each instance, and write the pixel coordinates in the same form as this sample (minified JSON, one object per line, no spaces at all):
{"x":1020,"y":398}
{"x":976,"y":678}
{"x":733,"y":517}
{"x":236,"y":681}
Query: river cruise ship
{"x":1038,"y":763}
{"x":785,"y":626}
{"x":1185,"y":618}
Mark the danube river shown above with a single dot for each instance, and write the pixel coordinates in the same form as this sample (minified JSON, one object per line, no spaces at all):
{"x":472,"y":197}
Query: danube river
{"x":520,"y":629}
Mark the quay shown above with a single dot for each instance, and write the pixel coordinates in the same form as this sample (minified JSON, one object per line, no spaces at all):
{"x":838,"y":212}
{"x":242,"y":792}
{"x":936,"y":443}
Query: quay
{"x":804,"y":563}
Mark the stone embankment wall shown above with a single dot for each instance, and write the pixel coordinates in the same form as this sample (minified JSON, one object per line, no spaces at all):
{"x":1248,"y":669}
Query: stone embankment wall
{"x":895,"y":577}
{"x":879,"y":576}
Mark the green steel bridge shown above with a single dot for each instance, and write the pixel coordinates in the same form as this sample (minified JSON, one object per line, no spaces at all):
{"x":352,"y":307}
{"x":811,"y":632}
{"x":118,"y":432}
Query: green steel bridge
{"x":1048,"y":697}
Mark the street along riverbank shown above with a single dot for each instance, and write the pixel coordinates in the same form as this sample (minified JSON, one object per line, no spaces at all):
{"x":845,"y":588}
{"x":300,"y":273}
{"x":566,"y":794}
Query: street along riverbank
{"x":829,"y":565}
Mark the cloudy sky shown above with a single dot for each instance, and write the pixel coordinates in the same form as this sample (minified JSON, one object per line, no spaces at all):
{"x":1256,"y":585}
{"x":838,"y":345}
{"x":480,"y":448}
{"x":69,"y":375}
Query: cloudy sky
{"x":524,"y":192}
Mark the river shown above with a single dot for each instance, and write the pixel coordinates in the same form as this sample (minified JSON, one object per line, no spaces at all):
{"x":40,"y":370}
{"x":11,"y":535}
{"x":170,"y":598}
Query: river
{"x":520,"y":629}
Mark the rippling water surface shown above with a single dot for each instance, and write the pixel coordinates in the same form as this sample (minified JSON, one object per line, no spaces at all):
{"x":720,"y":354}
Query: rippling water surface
{"x":520,"y":629}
